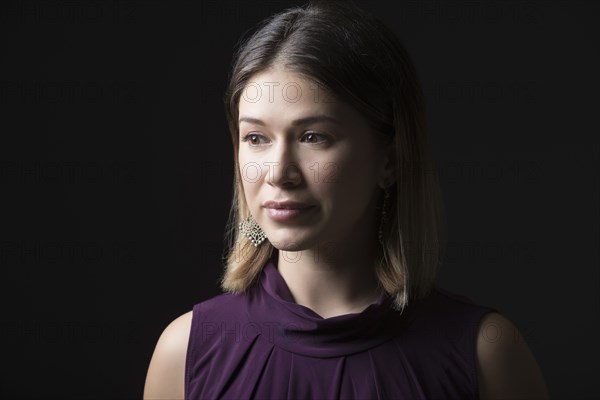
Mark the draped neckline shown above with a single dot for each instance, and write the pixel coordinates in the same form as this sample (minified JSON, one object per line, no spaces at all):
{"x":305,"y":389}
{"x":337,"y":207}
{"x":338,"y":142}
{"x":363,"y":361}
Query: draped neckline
{"x":299,"y":329}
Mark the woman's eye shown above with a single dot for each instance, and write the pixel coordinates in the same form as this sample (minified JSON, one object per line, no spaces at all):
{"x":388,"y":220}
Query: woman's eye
{"x":252,"y":138}
{"x":313,"y":135}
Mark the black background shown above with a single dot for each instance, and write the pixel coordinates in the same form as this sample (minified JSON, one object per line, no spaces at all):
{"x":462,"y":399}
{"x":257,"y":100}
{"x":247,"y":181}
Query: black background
{"x":116,"y":174}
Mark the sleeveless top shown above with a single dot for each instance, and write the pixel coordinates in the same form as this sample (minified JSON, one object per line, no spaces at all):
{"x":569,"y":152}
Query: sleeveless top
{"x":263,"y":345}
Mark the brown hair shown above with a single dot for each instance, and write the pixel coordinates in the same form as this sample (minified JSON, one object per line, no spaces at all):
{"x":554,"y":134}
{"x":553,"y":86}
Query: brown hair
{"x":354,"y":56}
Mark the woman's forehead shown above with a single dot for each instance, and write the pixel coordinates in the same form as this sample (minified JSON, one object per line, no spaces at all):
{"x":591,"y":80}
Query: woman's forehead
{"x":297,"y":114}
{"x":288,"y":96}
{"x":280,"y":83}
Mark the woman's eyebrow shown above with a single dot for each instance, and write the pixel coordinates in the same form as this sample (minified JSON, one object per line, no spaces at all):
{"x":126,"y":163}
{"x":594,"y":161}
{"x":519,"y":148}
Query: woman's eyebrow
{"x":300,"y":121}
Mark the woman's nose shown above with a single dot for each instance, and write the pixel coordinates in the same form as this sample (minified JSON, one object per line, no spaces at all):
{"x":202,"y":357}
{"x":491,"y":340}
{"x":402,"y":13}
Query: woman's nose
{"x":282,"y":168}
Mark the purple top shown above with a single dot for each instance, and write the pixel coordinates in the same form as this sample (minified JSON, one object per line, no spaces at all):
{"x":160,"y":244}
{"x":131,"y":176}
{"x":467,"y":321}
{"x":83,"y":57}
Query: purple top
{"x":263,"y":345}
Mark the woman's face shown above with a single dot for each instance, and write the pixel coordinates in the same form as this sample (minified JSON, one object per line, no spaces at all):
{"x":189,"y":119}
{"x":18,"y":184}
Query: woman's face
{"x":285,"y":156}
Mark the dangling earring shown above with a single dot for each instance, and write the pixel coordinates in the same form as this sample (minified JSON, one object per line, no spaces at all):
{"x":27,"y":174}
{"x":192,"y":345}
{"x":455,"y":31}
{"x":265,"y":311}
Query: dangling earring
{"x":383,"y":208}
{"x":250,"y":229}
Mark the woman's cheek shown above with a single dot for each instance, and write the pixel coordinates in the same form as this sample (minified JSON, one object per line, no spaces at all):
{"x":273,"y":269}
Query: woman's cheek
{"x":347,"y":172}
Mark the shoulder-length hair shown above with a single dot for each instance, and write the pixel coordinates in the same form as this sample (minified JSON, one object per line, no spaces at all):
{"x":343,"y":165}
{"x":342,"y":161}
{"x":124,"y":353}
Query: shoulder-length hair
{"x":355,"y":57}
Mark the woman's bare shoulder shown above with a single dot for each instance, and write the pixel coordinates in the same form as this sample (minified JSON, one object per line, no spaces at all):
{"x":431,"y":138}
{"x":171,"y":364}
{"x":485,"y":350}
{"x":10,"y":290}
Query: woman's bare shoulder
{"x":166,"y":373}
{"x":506,"y":367}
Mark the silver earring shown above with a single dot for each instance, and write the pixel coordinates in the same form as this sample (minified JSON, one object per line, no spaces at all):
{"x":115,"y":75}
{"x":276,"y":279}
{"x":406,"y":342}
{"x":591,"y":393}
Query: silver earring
{"x":250,"y":229}
{"x":383,"y":208}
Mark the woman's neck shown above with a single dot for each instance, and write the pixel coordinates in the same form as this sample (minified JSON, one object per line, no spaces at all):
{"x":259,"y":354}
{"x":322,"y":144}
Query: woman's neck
{"x":344,"y":285}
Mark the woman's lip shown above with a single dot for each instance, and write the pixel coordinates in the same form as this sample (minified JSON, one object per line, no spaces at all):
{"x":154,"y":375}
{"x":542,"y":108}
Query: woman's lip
{"x":287,"y":214}
{"x":288,"y":208}
{"x":288,"y":205}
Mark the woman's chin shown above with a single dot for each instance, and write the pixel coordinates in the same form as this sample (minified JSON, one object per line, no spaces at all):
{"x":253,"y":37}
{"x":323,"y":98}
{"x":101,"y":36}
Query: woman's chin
{"x":291,"y":242}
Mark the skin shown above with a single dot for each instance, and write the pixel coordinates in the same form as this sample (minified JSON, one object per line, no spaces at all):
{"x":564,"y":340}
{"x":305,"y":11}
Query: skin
{"x":506,"y":367}
{"x":166,"y":372}
{"x":338,"y":278}
{"x":326,"y":256}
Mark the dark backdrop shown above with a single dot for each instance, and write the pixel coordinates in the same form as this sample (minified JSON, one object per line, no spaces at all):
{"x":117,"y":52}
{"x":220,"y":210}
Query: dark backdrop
{"x":116,"y":174}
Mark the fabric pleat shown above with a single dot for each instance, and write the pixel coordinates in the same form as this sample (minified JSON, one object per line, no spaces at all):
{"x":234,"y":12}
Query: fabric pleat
{"x":263,"y":345}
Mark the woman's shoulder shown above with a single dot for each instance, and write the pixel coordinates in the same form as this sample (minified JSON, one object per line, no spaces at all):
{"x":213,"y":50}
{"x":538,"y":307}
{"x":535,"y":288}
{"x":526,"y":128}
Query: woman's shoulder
{"x":220,"y":300}
{"x":450,"y":317}
{"x":165,"y":377}
{"x":224,"y":306}
{"x":166,"y":373}
{"x":172,"y":343}
{"x":506,"y":366}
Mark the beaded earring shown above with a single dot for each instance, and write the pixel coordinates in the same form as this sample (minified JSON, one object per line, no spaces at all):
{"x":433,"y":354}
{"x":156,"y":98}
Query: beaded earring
{"x":252,"y":230}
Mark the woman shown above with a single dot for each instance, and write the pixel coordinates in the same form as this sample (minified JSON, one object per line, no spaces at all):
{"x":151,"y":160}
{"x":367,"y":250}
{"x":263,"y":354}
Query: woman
{"x":336,"y":235}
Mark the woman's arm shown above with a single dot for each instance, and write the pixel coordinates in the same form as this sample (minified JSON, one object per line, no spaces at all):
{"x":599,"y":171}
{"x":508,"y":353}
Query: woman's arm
{"x":506,"y":367}
{"x":165,"y":377}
